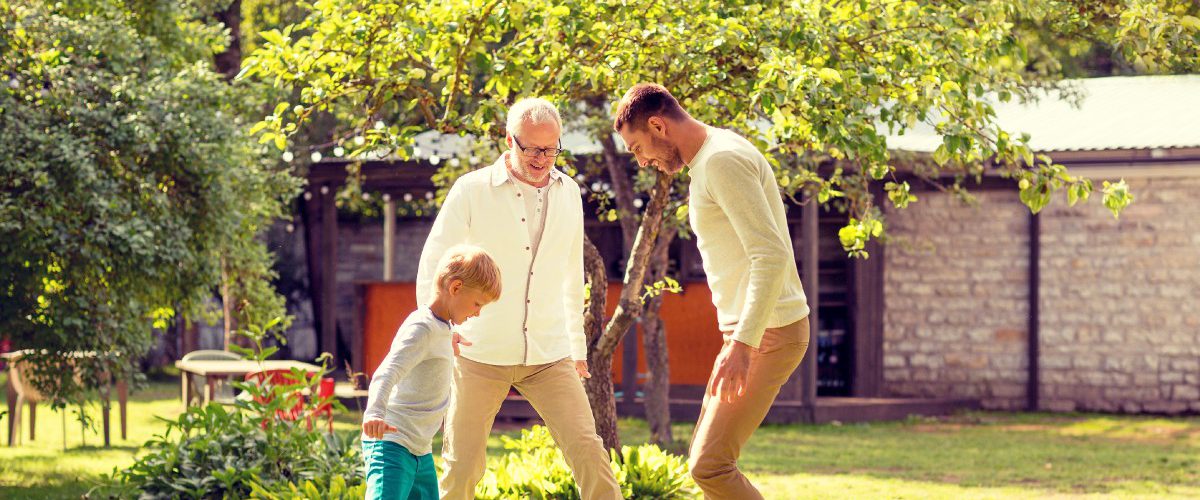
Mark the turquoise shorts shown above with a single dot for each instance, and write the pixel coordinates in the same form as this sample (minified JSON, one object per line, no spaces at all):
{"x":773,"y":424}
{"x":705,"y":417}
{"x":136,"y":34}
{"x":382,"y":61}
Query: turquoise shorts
{"x":395,"y":473}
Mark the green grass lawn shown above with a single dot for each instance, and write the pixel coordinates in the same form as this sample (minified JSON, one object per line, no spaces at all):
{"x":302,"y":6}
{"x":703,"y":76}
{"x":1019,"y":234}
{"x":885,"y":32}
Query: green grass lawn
{"x":974,"y":455}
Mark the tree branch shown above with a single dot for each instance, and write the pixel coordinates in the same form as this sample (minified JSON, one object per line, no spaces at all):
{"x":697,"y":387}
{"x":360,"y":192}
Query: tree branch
{"x":487,"y":11}
{"x":630,"y":306}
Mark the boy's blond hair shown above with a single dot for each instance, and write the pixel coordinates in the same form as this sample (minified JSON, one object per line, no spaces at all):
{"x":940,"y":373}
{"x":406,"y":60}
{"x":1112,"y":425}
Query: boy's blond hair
{"x":473,"y":266}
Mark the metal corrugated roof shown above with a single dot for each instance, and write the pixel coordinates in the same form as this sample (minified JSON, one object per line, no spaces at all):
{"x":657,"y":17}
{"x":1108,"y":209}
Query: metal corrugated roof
{"x":1132,"y":112}
{"x":1136,"y":112}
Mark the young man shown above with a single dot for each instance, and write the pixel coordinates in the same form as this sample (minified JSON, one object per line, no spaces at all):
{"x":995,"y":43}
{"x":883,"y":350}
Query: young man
{"x":529,"y":217}
{"x":741,"y":229}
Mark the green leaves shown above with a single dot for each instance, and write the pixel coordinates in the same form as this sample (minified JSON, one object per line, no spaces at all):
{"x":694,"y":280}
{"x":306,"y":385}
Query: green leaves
{"x":667,"y":284}
{"x":534,"y":467}
{"x":819,"y":84}
{"x":136,"y":188}
{"x":1035,"y":195}
{"x":1079,"y":191}
{"x":681,"y":213}
{"x":899,"y":194}
{"x":212,"y":451}
{"x":1116,"y":196}
{"x":829,"y":75}
{"x":855,"y":234}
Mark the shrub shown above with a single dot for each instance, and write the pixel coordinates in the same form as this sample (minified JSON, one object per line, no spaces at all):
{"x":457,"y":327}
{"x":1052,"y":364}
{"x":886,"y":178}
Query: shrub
{"x":649,"y":472}
{"x":212,"y":452}
{"x":534,"y":468}
{"x":337,"y":488}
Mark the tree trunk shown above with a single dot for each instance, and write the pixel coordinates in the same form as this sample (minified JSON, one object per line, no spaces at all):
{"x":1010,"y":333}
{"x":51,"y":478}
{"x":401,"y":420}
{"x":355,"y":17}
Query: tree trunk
{"x":226,"y":305}
{"x":630,"y":305}
{"x":604,"y":344}
{"x":599,"y":388}
{"x":654,"y":341}
{"x":623,"y":188}
{"x":229,"y":63}
{"x":600,"y":393}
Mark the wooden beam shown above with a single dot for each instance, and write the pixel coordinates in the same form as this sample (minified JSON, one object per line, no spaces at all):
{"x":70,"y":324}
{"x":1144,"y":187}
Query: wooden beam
{"x":809,"y":256}
{"x":358,"y":331}
{"x":866,"y":309}
{"x":328,"y":269}
{"x":1033,"y":389}
{"x":389,"y":236}
{"x":310,"y":214}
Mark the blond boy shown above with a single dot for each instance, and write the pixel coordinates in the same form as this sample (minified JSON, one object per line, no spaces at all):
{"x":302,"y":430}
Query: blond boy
{"x":410,"y":391}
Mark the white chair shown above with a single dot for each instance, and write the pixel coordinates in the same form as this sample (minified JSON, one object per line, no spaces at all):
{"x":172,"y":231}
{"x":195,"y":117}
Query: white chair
{"x":222,"y":391}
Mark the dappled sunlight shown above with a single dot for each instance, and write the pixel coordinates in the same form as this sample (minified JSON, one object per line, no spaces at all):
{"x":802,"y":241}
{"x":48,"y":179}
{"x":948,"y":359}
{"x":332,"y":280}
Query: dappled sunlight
{"x":1001,"y":451}
{"x":1151,"y":430}
{"x":971,"y":455}
{"x":819,"y":486}
{"x":42,"y":463}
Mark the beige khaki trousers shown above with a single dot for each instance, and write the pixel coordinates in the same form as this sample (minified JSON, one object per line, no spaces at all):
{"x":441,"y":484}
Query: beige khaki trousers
{"x":555,"y":391}
{"x":724,"y":428}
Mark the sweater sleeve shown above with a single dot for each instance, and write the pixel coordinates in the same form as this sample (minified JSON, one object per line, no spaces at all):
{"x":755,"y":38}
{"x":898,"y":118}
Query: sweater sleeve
{"x":408,"y":348}
{"x":735,"y":183}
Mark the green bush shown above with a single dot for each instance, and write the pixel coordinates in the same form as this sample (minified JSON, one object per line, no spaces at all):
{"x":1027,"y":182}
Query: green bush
{"x":211,"y":452}
{"x":647,"y":471}
{"x":534,"y":468}
{"x":336,"y":488}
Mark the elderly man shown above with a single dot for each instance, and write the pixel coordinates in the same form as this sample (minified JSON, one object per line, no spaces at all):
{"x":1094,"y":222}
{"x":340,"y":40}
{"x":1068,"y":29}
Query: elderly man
{"x":529,"y":217}
{"x":737,"y":213}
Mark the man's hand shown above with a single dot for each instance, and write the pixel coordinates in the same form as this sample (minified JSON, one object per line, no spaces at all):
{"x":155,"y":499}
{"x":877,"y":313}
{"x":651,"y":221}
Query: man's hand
{"x":375,"y":428}
{"x":729,"y":378}
{"x":458,"y":339}
{"x":582,"y":370}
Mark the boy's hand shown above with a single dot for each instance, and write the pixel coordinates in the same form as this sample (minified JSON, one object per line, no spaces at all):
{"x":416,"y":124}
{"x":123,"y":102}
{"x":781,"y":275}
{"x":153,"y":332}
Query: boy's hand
{"x":582,"y":370}
{"x":375,"y":428}
{"x":458,"y":339}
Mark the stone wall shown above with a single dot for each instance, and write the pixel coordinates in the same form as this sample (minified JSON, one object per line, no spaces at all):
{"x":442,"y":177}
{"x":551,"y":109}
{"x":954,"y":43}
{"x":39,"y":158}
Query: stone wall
{"x":1120,"y":299}
{"x":1119,"y":305}
{"x":957,"y":300}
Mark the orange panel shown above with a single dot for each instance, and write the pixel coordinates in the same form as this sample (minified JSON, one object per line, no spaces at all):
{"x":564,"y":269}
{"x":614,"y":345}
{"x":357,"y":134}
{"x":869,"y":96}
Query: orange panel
{"x":385,"y":306}
{"x":693,"y":339}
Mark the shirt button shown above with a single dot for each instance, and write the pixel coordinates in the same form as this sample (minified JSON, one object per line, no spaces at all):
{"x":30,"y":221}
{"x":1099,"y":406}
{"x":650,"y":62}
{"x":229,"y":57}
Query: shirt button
{"x":527,"y":248}
{"x":522,"y":219}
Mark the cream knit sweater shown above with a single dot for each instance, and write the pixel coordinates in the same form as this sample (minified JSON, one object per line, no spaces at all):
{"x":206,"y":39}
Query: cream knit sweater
{"x":741,"y":230}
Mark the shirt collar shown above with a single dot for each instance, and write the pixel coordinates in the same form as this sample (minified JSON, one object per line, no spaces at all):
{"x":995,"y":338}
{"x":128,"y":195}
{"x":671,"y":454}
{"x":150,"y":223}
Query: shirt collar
{"x":500,"y":173}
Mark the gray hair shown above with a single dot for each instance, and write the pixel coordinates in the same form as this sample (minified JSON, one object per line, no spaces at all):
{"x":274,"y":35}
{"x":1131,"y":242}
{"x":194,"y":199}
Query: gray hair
{"x":532,"y":110}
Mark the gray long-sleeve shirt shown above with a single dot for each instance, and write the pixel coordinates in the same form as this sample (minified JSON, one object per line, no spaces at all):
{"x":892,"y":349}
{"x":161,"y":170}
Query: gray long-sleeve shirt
{"x":411,"y":388}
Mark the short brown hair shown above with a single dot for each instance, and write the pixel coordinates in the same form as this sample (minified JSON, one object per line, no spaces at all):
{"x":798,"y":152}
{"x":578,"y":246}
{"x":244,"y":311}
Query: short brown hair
{"x":473,"y":266}
{"x":643,"y":101}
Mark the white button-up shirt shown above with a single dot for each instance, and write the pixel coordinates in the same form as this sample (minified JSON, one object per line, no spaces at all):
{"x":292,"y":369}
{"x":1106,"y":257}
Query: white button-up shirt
{"x":539,"y":316}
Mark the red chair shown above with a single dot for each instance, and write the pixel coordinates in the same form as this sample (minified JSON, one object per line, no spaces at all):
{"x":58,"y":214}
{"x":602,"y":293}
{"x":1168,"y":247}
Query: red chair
{"x":324,"y":404}
{"x":269,"y":378}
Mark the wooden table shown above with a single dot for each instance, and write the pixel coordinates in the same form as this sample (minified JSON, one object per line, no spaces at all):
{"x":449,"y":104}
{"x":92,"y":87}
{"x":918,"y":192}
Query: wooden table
{"x":11,"y":394}
{"x":209,"y":369}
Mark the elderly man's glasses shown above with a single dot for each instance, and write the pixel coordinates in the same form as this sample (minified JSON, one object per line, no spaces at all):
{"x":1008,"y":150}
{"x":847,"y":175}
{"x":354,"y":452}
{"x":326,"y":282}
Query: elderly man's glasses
{"x":536,"y":152}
